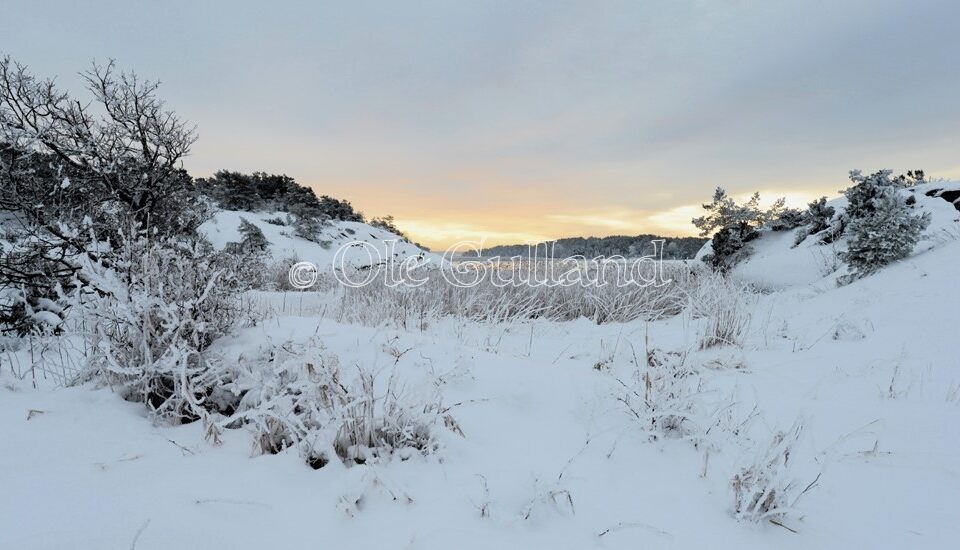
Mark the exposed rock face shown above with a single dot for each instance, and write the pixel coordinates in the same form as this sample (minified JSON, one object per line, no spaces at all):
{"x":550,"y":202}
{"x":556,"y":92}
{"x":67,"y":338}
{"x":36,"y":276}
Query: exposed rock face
{"x":950,"y":195}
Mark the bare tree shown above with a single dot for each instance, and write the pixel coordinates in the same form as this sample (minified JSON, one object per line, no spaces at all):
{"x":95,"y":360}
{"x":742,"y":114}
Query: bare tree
{"x":124,"y":142}
{"x":77,"y":173}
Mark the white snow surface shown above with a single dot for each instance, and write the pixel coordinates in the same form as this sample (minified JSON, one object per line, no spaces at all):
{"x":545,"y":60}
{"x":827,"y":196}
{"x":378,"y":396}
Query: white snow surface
{"x":548,"y":458}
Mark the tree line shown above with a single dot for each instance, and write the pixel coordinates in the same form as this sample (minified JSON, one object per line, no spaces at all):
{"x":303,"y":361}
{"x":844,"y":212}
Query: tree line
{"x":674,"y":248}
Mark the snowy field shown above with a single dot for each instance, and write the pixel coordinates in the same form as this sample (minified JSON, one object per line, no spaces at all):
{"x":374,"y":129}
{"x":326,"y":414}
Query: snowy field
{"x":840,"y":406}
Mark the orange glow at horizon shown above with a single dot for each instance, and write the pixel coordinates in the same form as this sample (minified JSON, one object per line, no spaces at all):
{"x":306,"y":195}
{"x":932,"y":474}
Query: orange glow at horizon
{"x":438,"y":226}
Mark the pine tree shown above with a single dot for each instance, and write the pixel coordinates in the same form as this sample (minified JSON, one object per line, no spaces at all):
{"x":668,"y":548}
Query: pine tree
{"x":253,"y":238}
{"x":780,"y":218}
{"x":882,"y":229}
{"x":306,"y":222}
{"x":865,"y":189}
{"x":249,"y":256}
{"x":732,"y":225}
{"x":724,"y":212}
{"x":817,"y":218}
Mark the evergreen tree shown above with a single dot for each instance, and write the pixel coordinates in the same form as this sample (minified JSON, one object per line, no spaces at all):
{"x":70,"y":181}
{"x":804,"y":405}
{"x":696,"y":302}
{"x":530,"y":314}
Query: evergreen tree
{"x":339,"y":210}
{"x":780,"y":218}
{"x":307,"y":222}
{"x":253,"y":239}
{"x":249,"y":255}
{"x":724,"y":212}
{"x":816,"y":219}
{"x":732,"y":225}
{"x":881,"y":226}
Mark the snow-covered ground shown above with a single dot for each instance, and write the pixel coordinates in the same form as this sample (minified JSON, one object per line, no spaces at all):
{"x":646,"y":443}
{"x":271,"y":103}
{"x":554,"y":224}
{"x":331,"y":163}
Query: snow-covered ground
{"x":550,"y":455}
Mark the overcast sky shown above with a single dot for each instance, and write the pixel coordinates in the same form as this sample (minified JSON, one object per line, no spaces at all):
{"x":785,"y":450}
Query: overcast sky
{"x":529,"y":120}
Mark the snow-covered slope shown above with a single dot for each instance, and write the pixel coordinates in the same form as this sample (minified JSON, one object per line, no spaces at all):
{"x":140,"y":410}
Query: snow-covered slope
{"x":285,"y":245}
{"x":546,"y":456}
{"x":774,"y":262}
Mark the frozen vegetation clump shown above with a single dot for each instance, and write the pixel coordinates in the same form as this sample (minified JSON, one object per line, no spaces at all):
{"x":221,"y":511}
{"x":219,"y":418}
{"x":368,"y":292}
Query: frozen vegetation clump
{"x":764,"y":488}
{"x":663,"y":395}
{"x":298,"y":396}
{"x":148,"y":336}
{"x":724,"y":307}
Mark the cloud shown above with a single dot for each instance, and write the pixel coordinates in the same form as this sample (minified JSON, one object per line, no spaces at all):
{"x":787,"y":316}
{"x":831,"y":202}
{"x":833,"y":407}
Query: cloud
{"x":615,"y":221}
{"x":519,"y":119}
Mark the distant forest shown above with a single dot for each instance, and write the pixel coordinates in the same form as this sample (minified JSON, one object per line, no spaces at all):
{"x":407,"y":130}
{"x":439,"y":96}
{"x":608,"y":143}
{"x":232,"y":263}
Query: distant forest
{"x":675,"y":248}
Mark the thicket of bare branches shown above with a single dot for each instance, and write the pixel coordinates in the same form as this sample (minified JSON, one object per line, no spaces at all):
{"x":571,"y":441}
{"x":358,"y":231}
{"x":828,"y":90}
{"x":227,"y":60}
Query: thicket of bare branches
{"x":75,"y":173}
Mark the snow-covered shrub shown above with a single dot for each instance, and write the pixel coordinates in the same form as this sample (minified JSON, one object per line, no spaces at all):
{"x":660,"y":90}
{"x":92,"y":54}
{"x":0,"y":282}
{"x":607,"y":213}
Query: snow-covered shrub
{"x":865,"y":189}
{"x":163,"y":304}
{"x":763,"y":489}
{"x":30,"y":308}
{"x":729,"y":246}
{"x":882,"y":227}
{"x":662,"y":395}
{"x":912,"y":178}
{"x":277,"y":273}
{"x":35,"y":264}
{"x":300,"y":397}
{"x":724,"y":306}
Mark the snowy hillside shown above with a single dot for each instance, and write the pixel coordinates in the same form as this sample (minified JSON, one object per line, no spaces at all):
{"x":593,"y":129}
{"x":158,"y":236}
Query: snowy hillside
{"x":775,"y":262}
{"x":284,"y":245}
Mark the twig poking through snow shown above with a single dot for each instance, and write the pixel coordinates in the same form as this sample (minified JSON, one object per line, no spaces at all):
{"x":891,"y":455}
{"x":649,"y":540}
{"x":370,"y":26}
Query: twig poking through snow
{"x":631,"y":524}
{"x":183,"y":449}
{"x":136,"y":537}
